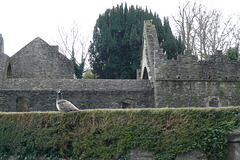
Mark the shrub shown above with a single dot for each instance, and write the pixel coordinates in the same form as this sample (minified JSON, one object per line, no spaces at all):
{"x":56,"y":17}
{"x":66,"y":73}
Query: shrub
{"x":110,"y":134}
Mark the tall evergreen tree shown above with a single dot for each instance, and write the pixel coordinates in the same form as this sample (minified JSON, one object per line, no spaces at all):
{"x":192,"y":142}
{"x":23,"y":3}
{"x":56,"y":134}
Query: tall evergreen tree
{"x":117,"y":41}
{"x":173,"y":46}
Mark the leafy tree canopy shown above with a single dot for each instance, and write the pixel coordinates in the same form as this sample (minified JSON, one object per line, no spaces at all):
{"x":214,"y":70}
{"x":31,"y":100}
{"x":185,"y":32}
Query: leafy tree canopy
{"x":117,"y":41}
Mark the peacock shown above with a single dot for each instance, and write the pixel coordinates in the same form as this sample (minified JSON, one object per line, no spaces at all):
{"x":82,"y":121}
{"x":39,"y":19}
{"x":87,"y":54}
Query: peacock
{"x":64,"y":105}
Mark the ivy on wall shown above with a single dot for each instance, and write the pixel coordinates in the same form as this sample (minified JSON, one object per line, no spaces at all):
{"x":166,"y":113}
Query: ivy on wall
{"x":110,"y":134}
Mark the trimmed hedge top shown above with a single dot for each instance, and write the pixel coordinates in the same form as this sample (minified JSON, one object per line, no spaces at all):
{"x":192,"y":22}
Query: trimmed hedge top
{"x":110,"y":134}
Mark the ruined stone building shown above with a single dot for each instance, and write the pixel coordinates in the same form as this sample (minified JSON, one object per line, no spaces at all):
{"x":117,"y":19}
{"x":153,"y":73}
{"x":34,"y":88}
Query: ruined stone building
{"x":30,"y":78}
{"x":187,"y":82}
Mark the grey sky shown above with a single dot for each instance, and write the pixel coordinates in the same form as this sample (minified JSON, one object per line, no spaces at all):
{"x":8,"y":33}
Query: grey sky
{"x":22,"y":21}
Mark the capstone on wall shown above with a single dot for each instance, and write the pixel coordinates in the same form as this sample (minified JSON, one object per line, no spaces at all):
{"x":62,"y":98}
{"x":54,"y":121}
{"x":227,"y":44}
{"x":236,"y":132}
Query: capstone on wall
{"x":39,"y":60}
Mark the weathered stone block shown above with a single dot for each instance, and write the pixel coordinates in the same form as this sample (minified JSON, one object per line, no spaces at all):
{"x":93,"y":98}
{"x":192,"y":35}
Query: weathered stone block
{"x":233,"y":151}
{"x":195,"y":154}
{"x":140,"y":154}
{"x":233,"y":145}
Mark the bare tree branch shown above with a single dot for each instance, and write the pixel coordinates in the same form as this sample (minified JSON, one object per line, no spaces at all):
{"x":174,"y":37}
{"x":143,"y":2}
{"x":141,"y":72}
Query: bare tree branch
{"x":205,"y":31}
{"x":73,"y":44}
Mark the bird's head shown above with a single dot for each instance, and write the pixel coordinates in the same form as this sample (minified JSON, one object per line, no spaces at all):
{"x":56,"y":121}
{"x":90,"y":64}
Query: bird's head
{"x":59,"y":93}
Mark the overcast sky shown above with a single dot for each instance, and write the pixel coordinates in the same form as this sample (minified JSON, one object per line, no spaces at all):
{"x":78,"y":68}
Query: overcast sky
{"x":23,"y":20}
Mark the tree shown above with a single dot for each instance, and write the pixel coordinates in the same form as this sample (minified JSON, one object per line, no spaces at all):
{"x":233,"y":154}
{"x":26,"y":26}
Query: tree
{"x":204,"y":31}
{"x":88,"y":75}
{"x":73,"y":45}
{"x":185,"y":23}
{"x":117,"y":41}
{"x":233,"y":53}
{"x":171,"y":45}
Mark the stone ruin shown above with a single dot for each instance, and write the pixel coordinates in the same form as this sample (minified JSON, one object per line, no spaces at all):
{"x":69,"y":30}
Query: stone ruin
{"x":29,"y":80}
{"x":186,"y":81}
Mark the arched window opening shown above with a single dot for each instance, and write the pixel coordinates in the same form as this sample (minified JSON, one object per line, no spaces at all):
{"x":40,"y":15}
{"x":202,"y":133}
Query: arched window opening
{"x":22,"y":104}
{"x":214,"y":102}
{"x":125,"y":105}
{"x":145,"y":73}
{"x":128,"y":103}
{"x":9,"y":71}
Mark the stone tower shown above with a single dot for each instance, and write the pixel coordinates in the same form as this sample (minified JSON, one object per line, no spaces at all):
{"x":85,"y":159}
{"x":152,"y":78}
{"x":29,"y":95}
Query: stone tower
{"x":1,"y":44}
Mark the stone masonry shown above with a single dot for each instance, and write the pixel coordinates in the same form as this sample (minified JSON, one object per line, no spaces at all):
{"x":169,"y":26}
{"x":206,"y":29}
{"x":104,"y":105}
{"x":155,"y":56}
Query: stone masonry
{"x":150,"y":46}
{"x":39,"y":60}
{"x":30,"y":78}
{"x":187,"y":82}
{"x":40,"y":95}
{"x":1,"y":44}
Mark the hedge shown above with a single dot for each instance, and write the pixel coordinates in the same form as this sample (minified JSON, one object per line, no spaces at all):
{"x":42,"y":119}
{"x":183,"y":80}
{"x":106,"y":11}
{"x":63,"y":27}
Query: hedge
{"x":110,"y":134}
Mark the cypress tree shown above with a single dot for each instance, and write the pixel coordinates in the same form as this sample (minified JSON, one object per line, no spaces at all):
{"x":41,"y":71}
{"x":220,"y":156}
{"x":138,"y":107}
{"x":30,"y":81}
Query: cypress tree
{"x":117,"y":41}
{"x":180,"y":45}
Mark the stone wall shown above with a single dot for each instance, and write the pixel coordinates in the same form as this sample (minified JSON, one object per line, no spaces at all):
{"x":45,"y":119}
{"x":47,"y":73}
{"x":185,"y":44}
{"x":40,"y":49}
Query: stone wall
{"x":190,"y":93}
{"x":3,"y":59}
{"x":150,"y":45}
{"x":187,"y":67}
{"x":187,"y":82}
{"x":30,"y":78}
{"x":1,"y":44}
{"x":40,"y":95}
{"x":40,"y":60}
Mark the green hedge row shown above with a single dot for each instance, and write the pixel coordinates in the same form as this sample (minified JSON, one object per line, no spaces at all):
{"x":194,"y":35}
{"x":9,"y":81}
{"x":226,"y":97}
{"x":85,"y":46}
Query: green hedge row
{"x":110,"y":134}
